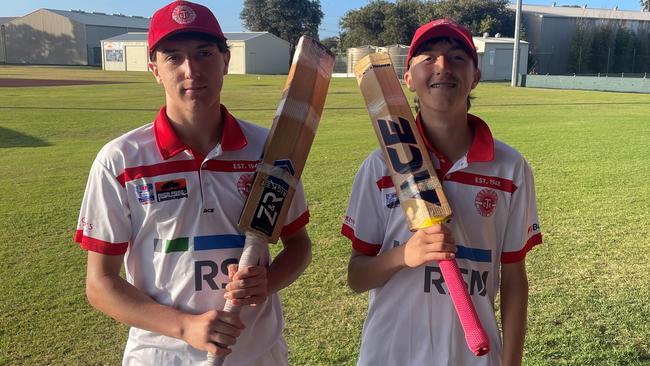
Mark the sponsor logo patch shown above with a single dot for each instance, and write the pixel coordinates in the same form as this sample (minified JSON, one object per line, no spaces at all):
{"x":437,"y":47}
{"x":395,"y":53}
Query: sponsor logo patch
{"x":244,"y":184}
{"x":486,"y":202}
{"x":391,"y":200}
{"x":183,"y":14}
{"x":171,"y":190}
{"x":145,"y":194}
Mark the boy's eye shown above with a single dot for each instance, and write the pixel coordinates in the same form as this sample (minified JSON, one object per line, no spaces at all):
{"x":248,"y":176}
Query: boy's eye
{"x":205,"y":53}
{"x":173,"y":58}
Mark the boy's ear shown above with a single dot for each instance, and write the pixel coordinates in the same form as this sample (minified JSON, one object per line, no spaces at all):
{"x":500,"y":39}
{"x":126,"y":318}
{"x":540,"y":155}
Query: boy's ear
{"x":408,"y":80}
{"x":477,"y":77}
{"x":154,"y":70}
{"x":226,"y":59}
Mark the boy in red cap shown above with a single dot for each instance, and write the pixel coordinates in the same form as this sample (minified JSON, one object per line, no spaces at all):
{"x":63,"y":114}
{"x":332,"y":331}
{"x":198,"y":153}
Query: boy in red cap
{"x":164,"y":200}
{"x":411,"y":319}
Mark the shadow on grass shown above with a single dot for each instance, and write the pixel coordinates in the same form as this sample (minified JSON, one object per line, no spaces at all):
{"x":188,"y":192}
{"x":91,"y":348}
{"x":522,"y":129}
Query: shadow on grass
{"x":11,"y":138}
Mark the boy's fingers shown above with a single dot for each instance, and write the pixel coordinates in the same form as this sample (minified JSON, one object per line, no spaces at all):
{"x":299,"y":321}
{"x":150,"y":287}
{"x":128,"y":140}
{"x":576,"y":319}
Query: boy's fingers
{"x":232,"y":270}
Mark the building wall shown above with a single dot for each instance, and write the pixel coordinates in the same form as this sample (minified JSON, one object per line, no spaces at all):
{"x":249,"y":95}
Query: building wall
{"x":550,"y":39}
{"x":94,"y":36}
{"x":495,"y":60}
{"x":2,"y":44}
{"x":136,"y":56}
{"x":45,"y":38}
{"x":267,"y":54}
{"x":125,"y":56}
{"x":237,"y":63}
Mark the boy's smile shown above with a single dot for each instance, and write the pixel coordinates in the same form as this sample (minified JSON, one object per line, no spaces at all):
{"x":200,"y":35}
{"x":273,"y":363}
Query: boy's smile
{"x":442,"y":75}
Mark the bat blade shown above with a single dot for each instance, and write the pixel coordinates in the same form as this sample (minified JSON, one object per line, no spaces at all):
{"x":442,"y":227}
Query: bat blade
{"x":290,"y":140}
{"x":285,"y":154}
{"x":414,"y":176}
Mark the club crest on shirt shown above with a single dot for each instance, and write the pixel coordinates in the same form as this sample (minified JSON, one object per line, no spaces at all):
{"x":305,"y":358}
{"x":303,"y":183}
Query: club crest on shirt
{"x":486,"y":202}
{"x":145,"y":194}
{"x":171,"y":190}
{"x":392,"y":200}
{"x":244,"y":184}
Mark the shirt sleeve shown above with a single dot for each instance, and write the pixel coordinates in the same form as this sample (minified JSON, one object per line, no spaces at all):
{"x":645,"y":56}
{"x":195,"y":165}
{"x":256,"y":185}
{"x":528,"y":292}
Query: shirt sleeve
{"x":523,"y":231}
{"x":298,"y":215}
{"x":104,"y":219}
{"x":365,"y":218}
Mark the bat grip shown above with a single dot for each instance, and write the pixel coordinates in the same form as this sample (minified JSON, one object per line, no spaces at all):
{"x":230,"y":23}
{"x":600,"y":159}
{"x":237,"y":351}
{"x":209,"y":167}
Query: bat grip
{"x":475,"y":336}
{"x":253,"y":249}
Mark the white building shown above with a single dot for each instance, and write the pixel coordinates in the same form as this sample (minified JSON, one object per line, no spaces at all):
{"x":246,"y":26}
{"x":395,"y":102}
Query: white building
{"x":60,"y":37}
{"x":250,"y":53}
{"x":495,"y":57}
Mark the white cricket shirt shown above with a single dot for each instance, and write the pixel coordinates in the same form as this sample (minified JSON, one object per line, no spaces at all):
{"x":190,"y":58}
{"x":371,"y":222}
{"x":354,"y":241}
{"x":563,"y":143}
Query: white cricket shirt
{"x":411,"y":319}
{"x":173,"y":214}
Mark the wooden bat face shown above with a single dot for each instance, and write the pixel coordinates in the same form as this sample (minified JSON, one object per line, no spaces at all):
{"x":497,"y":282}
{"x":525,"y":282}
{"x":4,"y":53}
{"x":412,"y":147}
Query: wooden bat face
{"x":289,"y":141}
{"x":405,"y":153}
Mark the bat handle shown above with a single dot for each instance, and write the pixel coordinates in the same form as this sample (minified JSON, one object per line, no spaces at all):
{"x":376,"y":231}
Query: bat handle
{"x":253,"y":249}
{"x":475,"y":336}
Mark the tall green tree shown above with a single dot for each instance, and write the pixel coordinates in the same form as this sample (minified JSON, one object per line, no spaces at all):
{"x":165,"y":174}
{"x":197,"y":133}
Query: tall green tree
{"x":287,"y":19}
{"x":580,"y":59}
{"x":479,"y":16}
{"x":383,"y":23}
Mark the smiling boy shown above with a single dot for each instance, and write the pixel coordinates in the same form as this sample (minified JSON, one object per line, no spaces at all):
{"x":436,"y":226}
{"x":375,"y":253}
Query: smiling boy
{"x":163,"y":201}
{"x":411,"y":319}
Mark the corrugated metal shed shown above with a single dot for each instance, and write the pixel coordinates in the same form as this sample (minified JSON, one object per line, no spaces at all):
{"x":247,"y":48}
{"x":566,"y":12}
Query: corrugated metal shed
{"x":250,"y":53}
{"x":582,"y":12}
{"x":105,"y":20}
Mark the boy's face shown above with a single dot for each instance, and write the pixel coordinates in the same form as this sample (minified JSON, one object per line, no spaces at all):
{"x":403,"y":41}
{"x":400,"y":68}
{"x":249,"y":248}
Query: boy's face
{"x":191,"y":71}
{"x":442,"y":74}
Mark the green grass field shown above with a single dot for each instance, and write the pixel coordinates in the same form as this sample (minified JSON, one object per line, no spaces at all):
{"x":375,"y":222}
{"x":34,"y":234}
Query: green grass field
{"x":589,"y":282}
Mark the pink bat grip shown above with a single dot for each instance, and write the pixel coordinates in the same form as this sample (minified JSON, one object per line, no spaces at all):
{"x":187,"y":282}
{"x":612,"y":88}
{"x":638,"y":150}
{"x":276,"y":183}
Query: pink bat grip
{"x":475,"y":336}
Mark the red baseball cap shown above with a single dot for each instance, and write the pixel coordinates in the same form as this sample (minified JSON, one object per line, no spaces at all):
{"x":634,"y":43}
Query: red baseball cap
{"x":179,"y":17}
{"x":442,"y":28}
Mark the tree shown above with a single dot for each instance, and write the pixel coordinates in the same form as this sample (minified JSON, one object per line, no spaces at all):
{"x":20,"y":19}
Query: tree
{"x":645,"y":4}
{"x":332,"y":43}
{"x":479,"y":16}
{"x":287,"y":19}
{"x":383,"y":23}
{"x":580,"y":57}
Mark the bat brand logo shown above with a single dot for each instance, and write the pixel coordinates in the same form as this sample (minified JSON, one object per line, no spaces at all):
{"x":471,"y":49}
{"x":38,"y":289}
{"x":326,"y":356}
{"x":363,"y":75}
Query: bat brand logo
{"x":270,"y":205}
{"x":486,"y":202}
{"x":418,"y":186}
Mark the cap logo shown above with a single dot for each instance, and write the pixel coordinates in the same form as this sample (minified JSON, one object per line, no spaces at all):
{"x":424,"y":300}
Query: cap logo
{"x":183,"y":14}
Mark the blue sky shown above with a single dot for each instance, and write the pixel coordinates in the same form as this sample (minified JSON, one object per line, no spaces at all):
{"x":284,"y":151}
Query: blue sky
{"x":227,"y":11}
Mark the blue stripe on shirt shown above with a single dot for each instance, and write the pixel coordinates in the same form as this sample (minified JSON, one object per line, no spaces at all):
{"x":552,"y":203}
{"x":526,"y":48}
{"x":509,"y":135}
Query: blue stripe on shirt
{"x":209,"y":242}
{"x":473,"y":254}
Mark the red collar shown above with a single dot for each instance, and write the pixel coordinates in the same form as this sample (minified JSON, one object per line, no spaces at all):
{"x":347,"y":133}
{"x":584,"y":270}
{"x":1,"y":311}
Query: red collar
{"x":482,"y":147}
{"x":232,"y":137}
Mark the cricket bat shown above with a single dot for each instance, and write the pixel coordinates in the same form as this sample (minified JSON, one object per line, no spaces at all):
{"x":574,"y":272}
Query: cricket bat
{"x":418,"y":188}
{"x":285,"y":153}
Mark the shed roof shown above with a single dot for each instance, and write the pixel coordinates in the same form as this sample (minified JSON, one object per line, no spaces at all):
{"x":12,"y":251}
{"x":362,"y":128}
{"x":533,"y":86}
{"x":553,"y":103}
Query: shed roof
{"x":582,"y":12}
{"x":142,"y":36}
{"x":102,"y":19}
{"x":4,"y":20}
{"x":502,"y":40}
